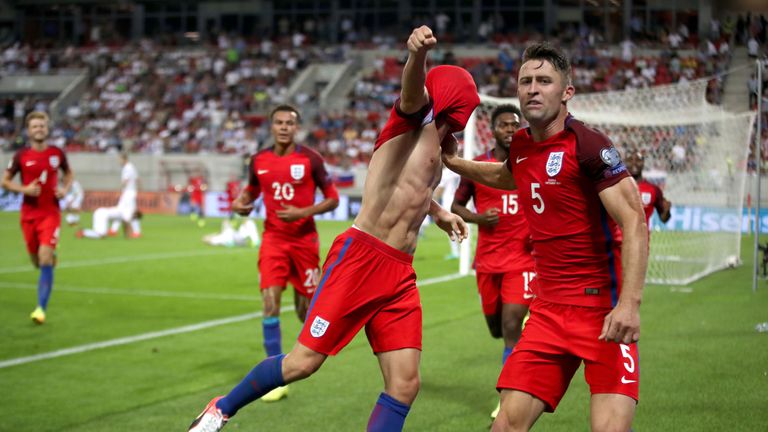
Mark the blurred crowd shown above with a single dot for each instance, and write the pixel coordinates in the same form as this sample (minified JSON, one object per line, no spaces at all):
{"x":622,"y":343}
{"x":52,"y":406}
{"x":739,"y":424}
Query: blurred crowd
{"x":212,"y":97}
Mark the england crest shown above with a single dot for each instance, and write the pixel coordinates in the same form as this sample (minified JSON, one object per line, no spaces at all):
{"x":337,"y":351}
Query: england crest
{"x":297,"y":171}
{"x":645,"y":197}
{"x":319,"y":326}
{"x":554,"y":163}
{"x":54,"y":161}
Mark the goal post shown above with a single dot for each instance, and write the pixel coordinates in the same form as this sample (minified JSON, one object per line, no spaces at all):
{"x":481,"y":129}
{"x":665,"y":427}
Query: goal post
{"x":696,"y":152}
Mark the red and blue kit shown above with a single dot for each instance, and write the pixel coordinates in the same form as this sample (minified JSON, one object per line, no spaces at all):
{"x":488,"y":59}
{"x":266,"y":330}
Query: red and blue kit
{"x":452,"y":98}
{"x":40,"y":215}
{"x":652,"y":198}
{"x":290,"y":250}
{"x":365,"y":283}
{"x":503,"y":262}
{"x":577,"y":251}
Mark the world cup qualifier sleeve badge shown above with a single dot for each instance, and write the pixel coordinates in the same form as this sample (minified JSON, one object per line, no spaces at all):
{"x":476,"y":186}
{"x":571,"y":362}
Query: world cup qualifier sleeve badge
{"x":555,"y":163}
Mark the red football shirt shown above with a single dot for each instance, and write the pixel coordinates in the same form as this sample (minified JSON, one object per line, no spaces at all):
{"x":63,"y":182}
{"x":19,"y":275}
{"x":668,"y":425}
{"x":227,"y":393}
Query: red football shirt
{"x":289,"y":180}
{"x":43,"y":166}
{"x":652,"y":198}
{"x":506,"y":246}
{"x":576,"y":244}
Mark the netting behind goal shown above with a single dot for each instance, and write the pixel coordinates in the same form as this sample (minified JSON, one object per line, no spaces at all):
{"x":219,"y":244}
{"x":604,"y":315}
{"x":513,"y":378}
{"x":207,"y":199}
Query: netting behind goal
{"x":695,"y":152}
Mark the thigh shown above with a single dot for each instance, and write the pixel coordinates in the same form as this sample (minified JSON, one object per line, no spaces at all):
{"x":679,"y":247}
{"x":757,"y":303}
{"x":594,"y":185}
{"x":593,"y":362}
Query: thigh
{"x":541,"y":363}
{"x":304,"y":260}
{"x":519,"y":411}
{"x":274,"y":264}
{"x":489,"y":288}
{"x":29,"y":230}
{"x":516,"y":287}
{"x":398,"y":323}
{"x":614,"y":370}
{"x":48,"y":231}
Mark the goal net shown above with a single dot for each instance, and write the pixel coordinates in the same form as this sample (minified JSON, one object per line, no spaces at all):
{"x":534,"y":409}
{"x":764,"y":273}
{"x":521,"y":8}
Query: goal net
{"x":696,"y":152}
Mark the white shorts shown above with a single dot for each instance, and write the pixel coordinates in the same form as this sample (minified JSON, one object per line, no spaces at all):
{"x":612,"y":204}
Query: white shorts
{"x":102,"y":216}
{"x":127,"y":205}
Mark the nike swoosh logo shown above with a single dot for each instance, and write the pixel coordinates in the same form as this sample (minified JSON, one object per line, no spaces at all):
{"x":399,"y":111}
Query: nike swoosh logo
{"x":260,"y":172}
{"x":30,"y":163}
{"x":624,"y":380}
{"x":519,"y":159}
{"x":527,"y":296}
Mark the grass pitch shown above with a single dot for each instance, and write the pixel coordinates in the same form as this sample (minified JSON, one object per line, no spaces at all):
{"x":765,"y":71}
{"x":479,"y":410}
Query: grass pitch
{"x":142,"y":333}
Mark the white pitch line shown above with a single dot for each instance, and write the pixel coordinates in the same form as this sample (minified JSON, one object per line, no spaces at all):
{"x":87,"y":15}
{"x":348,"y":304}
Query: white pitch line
{"x":170,"y":332}
{"x":134,"y":292}
{"x":132,"y":339}
{"x":120,"y":260}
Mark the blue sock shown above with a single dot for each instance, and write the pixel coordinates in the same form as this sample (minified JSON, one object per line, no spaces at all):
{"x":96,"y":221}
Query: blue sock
{"x":44,"y":285}
{"x":388,"y":415}
{"x":265,"y":377}
{"x":272,"y":338}
{"x":507,"y":352}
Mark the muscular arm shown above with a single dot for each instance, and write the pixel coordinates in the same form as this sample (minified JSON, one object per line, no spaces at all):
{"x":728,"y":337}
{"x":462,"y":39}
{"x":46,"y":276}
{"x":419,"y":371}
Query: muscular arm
{"x":66,"y":185}
{"x":413,"y":95}
{"x":451,"y":223}
{"x":290,"y":213}
{"x":622,"y":202}
{"x":31,"y":189}
{"x":493,"y":174}
{"x":243,"y":204}
{"x":665,"y":213}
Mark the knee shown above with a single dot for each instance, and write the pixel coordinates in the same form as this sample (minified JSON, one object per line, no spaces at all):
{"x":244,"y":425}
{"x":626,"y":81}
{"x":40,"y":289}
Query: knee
{"x":298,"y":368}
{"x":495,"y":331}
{"x":512,"y":327}
{"x":610,"y":425}
{"x":405,"y":389}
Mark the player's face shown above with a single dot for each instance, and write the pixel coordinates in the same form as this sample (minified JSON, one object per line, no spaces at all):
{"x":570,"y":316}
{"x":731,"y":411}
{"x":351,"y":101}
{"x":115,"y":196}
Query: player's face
{"x":506,"y":125}
{"x":542,"y":91}
{"x":635,"y":164}
{"x":37,"y":130}
{"x":285,"y":124}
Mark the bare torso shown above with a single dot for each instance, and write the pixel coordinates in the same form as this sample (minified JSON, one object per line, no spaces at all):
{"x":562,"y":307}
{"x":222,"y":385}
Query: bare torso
{"x":397,"y":194}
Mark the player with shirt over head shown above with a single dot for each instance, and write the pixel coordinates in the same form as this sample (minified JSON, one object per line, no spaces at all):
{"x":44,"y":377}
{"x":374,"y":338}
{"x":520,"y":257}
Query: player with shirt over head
{"x":287,"y":175}
{"x":39,"y":165}
{"x":368,"y":277}
{"x":503,"y":261}
{"x":590,"y":247}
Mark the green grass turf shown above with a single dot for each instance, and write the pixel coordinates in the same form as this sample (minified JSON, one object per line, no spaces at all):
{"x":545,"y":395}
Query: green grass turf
{"x":703,"y":366}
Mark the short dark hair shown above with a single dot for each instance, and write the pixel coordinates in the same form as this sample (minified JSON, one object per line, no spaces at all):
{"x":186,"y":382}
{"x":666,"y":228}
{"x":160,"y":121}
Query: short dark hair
{"x":285,"y":107}
{"x":506,"y":108}
{"x":552,"y":54}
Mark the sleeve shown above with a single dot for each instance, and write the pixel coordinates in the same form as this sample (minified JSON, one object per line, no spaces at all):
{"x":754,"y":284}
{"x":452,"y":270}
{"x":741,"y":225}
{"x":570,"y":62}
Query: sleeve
{"x":598,"y":158}
{"x":254,"y":188}
{"x":14,"y":166}
{"x":659,"y":203}
{"x":64,"y":164}
{"x":321,"y":177}
{"x":464,"y":192}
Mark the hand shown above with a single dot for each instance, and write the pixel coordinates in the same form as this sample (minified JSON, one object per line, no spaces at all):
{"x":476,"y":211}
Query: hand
{"x":449,"y":150}
{"x":60,"y":192}
{"x":241,"y":208}
{"x":421,"y":40}
{"x":32,"y":188}
{"x":489,"y":218}
{"x":621,"y":325}
{"x":452,"y":224}
{"x":290,"y":213}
